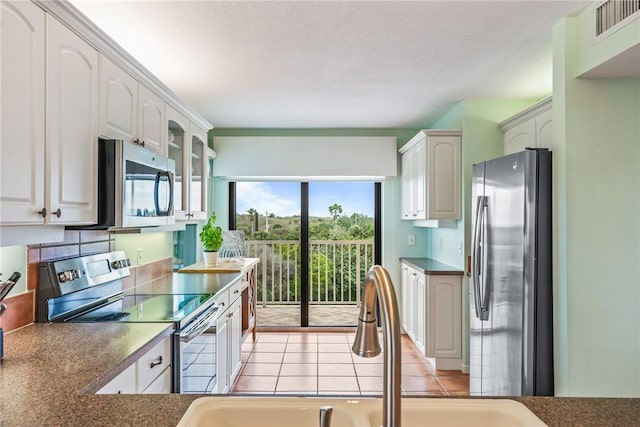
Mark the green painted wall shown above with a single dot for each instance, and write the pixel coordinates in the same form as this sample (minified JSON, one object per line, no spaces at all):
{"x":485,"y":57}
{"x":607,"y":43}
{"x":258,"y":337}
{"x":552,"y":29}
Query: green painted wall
{"x":596,"y":227}
{"x":14,"y":258}
{"x":591,"y":52}
{"x":155,"y":246}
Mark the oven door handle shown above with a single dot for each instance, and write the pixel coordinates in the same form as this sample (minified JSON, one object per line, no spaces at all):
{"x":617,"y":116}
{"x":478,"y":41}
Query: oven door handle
{"x":188,"y":336}
{"x":200,"y":325}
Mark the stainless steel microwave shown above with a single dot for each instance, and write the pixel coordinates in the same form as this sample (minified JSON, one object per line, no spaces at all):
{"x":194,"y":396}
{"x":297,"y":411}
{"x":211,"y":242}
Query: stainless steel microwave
{"x":135,"y":186}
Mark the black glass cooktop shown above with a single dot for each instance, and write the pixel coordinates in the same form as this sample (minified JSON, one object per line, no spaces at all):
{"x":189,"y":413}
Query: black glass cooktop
{"x":146,"y":308}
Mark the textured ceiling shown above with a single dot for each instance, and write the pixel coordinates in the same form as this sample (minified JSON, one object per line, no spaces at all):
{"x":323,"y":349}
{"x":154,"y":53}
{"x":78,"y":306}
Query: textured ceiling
{"x":335,"y":64}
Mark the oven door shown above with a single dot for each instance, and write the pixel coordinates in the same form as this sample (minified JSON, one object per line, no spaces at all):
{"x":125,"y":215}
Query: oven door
{"x":196,"y":347}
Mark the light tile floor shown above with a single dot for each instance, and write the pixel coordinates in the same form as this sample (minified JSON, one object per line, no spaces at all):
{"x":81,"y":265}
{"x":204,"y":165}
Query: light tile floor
{"x":319,"y":315}
{"x":321,"y":363}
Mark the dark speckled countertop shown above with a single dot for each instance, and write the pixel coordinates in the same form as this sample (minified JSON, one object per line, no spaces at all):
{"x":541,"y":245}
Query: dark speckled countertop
{"x":49,"y":368}
{"x":431,"y":266}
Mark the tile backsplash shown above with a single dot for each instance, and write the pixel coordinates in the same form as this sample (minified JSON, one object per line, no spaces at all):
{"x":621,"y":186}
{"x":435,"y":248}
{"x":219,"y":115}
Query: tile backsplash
{"x":21,"y":307}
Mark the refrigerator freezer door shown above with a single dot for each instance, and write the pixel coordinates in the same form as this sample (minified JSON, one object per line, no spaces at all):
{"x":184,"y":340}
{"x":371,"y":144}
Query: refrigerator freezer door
{"x":502,"y":332}
{"x":475,"y":324}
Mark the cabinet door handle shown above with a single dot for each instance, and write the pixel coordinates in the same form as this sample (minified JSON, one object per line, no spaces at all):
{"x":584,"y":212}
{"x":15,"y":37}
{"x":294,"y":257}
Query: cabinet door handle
{"x":153,"y":364}
{"x":43,"y":212}
{"x":58,"y":213}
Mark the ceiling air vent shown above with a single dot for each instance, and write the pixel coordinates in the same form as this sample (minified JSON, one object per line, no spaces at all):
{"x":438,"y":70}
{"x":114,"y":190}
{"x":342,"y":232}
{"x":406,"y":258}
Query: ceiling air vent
{"x":612,"y":12}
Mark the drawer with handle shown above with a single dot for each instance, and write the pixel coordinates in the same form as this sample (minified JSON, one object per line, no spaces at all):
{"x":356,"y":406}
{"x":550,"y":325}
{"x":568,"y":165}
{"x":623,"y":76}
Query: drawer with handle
{"x":235,"y":291}
{"x":153,"y":363}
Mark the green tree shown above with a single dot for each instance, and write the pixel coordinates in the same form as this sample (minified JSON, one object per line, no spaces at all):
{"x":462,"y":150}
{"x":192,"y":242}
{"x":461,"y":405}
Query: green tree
{"x":335,"y":210}
{"x":252,"y":216}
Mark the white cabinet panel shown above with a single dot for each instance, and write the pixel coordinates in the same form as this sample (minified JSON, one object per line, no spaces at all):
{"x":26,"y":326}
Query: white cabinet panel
{"x":431,"y":178}
{"x":431,"y":315}
{"x":118,"y":102}
{"x":72,"y":134}
{"x":187,"y":145}
{"x":130,"y":111}
{"x":151,"y":120}
{"x":198,"y":165}
{"x":151,"y":373}
{"x":419,"y":205}
{"x":520,"y":137}
{"x":420,"y":311}
{"x":153,"y":363}
{"x":444,"y":308}
{"x":544,"y":129}
{"x":531,"y":128}
{"x":443,"y":168}
{"x":235,"y":339}
{"x":177,"y":148}
{"x":222,"y":354}
{"x":124,"y":383}
{"x":161,"y":385}
{"x":22,"y":143}
{"x":405,"y":185}
{"x":406,"y":301}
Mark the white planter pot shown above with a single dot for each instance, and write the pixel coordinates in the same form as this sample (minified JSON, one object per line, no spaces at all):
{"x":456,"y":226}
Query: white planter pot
{"x":210,"y":258}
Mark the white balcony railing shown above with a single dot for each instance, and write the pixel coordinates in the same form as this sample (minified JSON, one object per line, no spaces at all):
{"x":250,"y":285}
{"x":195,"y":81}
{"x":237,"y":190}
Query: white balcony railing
{"x":337,"y":268}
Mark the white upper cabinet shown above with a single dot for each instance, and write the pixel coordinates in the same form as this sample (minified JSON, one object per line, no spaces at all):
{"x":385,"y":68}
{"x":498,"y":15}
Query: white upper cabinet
{"x":431,"y":178}
{"x":65,"y":84}
{"x":128,"y":110}
{"x":177,"y":146}
{"x":531,"y":128}
{"x":72,"y":126}
{"x":118,"y":102}
{"x":187,"y":145}
{"x":152,"y":126}
{"x":22,"y":149}
{"x":198,"y":173}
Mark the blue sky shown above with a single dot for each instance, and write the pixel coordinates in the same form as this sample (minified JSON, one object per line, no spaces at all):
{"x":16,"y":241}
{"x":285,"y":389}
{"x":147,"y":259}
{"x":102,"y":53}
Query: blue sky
{"x":283,"y":198}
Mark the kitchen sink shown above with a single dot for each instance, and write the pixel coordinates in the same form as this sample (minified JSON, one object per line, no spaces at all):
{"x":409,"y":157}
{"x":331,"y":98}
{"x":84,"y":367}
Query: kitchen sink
{"x":265,"y":412}
{"x":304,"y":411}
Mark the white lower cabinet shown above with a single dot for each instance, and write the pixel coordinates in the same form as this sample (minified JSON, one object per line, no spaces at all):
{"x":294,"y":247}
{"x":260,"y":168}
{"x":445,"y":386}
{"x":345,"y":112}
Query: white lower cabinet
{"x":228,"y":338}
{"x":124,"y":383}
{"x":153,"y":364}
{"x":161,"y":385}
{"x":222,"y":354}
{"x":151,"y":373}
{"x":235,"y":339}
{"x":431,"y":316}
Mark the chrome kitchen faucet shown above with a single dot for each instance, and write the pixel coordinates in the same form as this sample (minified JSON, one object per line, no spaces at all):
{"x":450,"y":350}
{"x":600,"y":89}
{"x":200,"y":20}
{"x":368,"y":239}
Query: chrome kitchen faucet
{"x":378,"y":284}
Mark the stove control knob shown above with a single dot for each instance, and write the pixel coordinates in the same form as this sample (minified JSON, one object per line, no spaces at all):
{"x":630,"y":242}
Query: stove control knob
{"x":121,"y":263}
{"x":69,"y":275}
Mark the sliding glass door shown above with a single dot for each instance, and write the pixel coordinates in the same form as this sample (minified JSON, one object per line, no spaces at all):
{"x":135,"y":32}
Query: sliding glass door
{"x":341,"y":249}
{"x":270,"y":216}
{"x":315,"y":241}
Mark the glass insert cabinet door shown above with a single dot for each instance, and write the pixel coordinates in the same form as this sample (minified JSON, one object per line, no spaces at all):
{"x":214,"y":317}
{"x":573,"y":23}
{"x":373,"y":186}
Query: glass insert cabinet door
{"x":198,"y":179}
{"x":176,"y":138}
{"x":187,"y":146}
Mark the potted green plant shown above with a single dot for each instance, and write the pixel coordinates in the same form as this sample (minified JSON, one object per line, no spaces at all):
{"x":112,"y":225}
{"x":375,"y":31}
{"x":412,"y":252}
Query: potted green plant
{"x":211,"y":238}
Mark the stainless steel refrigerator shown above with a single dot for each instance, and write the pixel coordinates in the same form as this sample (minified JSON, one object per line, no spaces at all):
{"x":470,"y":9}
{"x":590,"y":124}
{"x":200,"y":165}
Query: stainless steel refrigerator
{"x":510,"y":292}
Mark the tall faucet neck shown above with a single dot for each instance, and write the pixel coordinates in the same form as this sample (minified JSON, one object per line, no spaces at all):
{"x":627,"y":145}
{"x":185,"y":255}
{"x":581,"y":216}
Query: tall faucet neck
{"x":379,"y":285}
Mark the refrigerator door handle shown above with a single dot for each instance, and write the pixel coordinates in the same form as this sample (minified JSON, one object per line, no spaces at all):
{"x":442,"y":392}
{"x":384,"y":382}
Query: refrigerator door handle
{"x":483,"y":291}
{"x":475,"y":253}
